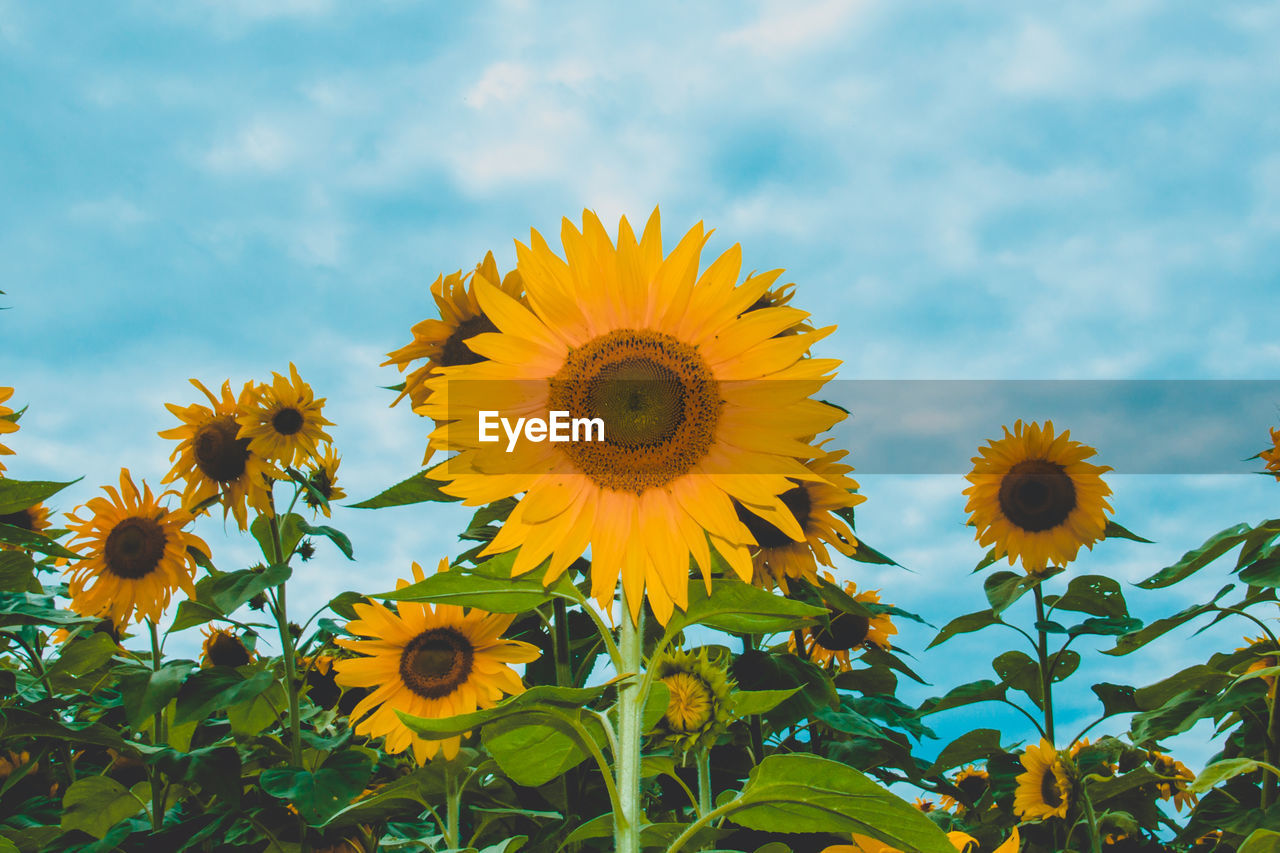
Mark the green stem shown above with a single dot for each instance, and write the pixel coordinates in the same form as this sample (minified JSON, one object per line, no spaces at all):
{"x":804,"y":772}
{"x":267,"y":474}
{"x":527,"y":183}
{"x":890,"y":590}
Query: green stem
{"x":158,"y":737}
{"x":564,"y":677}
{"x":1046,"y":673}
{"x":753,"y":723}
{"x":704,"y":781}
{"x":626,"y":828}
{"x":453,"y":810}
{"x":1095,"y":842}
{"x":286,"y":649}
{"x":705,"y":820}
{"x":1273,"y":747}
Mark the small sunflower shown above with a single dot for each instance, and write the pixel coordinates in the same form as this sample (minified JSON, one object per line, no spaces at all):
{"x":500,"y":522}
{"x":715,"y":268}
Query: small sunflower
{"x":845,"y":632}
{"x":811,"y":502}
{"x":973,"y":783}
{"x":1175,"y":786}
{"x":214,"y":457}
{"x":925,"y":805}
{"x":1271,"y":455}
{"x":6,"y":424}
{"x":427,"y":662}
{"x":323,"y":477}
{"x":698,"y":703}
{"x":33,"y":518}
{"x":283,"y":420}
{"x":1265,"y":652}
{"x":222,"y":647}
{"x":1034,"y":497}
{"x":1044,"y":790}
{"x":134,"y":555}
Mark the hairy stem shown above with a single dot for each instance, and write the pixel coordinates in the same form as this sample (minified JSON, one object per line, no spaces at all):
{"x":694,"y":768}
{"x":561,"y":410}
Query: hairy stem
{"x":1046,"y":672}
{"x":626,"y":824}
{"x":704,"y":781}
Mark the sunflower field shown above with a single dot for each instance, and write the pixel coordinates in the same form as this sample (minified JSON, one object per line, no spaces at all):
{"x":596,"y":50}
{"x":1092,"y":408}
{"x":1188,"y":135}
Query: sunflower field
{"x":644,"y":644}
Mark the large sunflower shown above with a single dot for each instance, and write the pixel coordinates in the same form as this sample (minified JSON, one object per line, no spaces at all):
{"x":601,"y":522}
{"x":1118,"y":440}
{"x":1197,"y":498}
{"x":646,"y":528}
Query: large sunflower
{"x":6,"y":425}
{"x":443,"y":342}
{"x":283,"y":420}
{"x":214,"y":458}
{"x":688,"y":385}
{"x":134,"y":554}
{"x":780,"y":557}
{"x":1044,"y":790}
{"x":427,"y":662}
{"x":1034,"y":497}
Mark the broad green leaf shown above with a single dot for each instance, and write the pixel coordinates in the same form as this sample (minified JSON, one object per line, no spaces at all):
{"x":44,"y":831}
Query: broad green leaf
{"x":655,"y":706}
{"x":985,"y":690}
{"x":873,"y":656}
{"x":748,"y":702}
{"x":1132,"y":642}
{"x":192,"y":613}
{"x":988,"y":559}
{"x":1261,"y":841}
{"x":741,"y":608}
{"x":215,"y":769}
{"x":23,"y":608}
{"x":83,"y":655}
{"x":96,"y":803}
{"x":805,"y":793}
{"x":17,"y":495}
{"x":1194,"y":560}
{"x":1197,"y":677}
{"x":496,"y":595}
{"x":976,"y":745}
{"x":1220,"y":771}
{"x":870,"y":680}
{"x":1021,"y":672}
{"x":1103,"y":790}
{"x":1115,"y":531}
{"x":434,"y":728}
{"x":31,"y":541}
{"x":1116,"y":698}
{"x":228,"y":592}
{"x":1093,"y":594}
{"x":337,"y":537}
{"x":416,"y":489}
{"x":407,"y":796}
{"x":1255,"y":543}
{"x":1263,"y":572}
{"x":1004,"y":588}
{"x":18,"y":571}
{"x":535,"y":747}
{"x":1106,"y":626}
{"x":16,"y":723}
{"x":320,"y":795}
{"x":254,"y":715}
{"x":964,"y":625}
{"x":757,"y":670}
{"x":291,"y":528}
{"x":216,"y":689}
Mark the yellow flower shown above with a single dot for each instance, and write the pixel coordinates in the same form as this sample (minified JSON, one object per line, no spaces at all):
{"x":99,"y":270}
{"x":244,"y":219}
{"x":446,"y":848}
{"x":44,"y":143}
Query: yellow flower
{"x":222,"y":647}
{"x":1034,"y":497}
{"x":1175,"y":786}
{"x":33,"y":518}
{"x":811,"y":502}
{"x":427,"y":662}
{"x":6,"y":425}
{"x":214,"y":458}
{"x":443,"y":342}
{"x":1271,"y":455}
{"x":323,"y":477}
{"x":698,"y":700}
{"x":686,"y":383}
{"x":963,"y":842}
{"x":1044,"y":790}
{"x":1265,"y":651}
{"x":973,"y":783}
{"x":283,"y":420}
{"x":134,"y":554}
{"x":847,"y":631}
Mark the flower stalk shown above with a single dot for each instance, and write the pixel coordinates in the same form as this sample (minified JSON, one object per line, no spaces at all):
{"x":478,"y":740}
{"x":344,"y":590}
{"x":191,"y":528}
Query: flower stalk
{"x":1046,"y":669}
{"x":626,"y":824}
{"x":158,"y":737}
{"x":286,"y":648}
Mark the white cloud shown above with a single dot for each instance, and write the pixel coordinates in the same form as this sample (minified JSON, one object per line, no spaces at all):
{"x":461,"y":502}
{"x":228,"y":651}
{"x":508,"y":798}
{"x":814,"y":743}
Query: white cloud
{"x":791,"y":28}
{"x":1040,"y":63}
{"x":114,"y":212}
{"x":261,"y":146}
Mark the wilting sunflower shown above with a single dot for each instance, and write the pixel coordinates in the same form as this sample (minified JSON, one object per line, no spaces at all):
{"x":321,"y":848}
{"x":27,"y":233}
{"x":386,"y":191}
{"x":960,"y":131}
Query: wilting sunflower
{"x":33,"y":518}
{"x":283,"y":420}
{"x":1044,"y":790}
{"x":427,"y":662}
{"x":1034,"y":497}
{"x":973,"y":783}
{"x":846,"y":631}
{"x":443,"y":342}
{"x":214,"y":457}
{"x":222,"y":647}
{"x":811,"y":502}
{"x":134,"y":554}
{"x":6,"y":425}
{"x":323,"y":477}
{"x":698,"y":698}
{"x":1175,"y":786}
{"x":701,"y":405}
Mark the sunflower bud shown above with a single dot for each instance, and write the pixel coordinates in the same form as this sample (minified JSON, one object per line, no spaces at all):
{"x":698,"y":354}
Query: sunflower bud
{"x":698,"y":700}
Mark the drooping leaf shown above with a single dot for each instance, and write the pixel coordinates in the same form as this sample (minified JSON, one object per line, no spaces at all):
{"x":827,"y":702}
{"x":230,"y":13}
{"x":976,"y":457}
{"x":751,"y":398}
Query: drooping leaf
{"x":337,"y":537}
{"x":1115,"y":531}
{"x":217,"y":688}
{"x":1197,"y":558}
{"x":964,"y":625}
{"x":534,"y":748}
{"x":984,"y":690}
{"x":1004,"y":588}
{"x":1096,"y":595}
{"x":1116,"y":698}
{"x":1132,"y":642}
{"x":415,"y":489}
{"x":29,"y":540}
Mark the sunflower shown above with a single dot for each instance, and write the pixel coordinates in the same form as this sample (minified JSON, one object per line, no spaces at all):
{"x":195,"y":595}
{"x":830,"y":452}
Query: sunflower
{"x":811,"y":503}
{"x":443,"y":342}
{"x":7,"y":422}
{"x":33,"y":518}
{"x":1034,"y":497}
{"x":1271,"y":455}
{"x":214,"y":458}
{"x":687,"y":385}
{"x":427,"y":662}
{"x":283,"y":420}
{"x":135,"y":553}
{"x":1043,"y":791}
{"x":222,"y":647}
{"x":962,"y":841}
{"x":698,"y":691}
{"x":323,"y":477}
{"x":780,"y":297}
{"x":1179,"y":776}
{"x":846,"y":631}
{"x":973,"y":783}
{"x":1265,"y":658}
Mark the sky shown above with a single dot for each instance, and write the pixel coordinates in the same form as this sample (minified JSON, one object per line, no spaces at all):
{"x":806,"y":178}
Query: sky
{"x":969,"y":191}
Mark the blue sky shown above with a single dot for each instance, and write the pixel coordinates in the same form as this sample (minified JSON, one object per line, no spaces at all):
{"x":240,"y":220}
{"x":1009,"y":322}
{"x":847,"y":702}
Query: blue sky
{"x":970,"y":191}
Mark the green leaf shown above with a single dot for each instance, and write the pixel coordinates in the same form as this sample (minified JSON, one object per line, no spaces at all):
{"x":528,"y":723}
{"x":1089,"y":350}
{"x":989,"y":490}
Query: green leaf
{"x":1116,"y":698}
{"x":1132,"y":642}
{"x":215,"y":769}
{"x":741,"y":608}
{"x":976,"y":745}
{"x":535,"y":747}
{"x":496,"y":595}
{"x":1004,"y":588}
{"x":337,"y":537}
{"x":964,"y":625}
{"x":18,"y":571}
{"x":215,"y":689}
{"x":805,"y":793}
{"x":251,"y":717}
{"x":322,"y":794}
{"x":1019,"y":671}
{"x":22,"y":608}
{"x":1115,"y":531}
{"x":1197,"y":677}
{"x":1093,"y":594}
{"x":228,"y":592}
{"x":1192,"y":561}
{"x":1261,"y":841}
{"x":757,"y":670}
{"x":16,"y":723}
{"x":416,"y":489}
{"x":1220,"y":771}
{"x":748,"y":702}
{"x":985,"y":690}
{"x":1263,"y":572}
{"x":438,"y":728}
{"x":192,"y":613}
{"x":655,"y":706}
{"x":988,"y":559}
{"x":83,"y":655}
{"x":96,"y":803}
{"x":1102,"y":790}
{"x":17,"y":495}
{"x":31,"y":541}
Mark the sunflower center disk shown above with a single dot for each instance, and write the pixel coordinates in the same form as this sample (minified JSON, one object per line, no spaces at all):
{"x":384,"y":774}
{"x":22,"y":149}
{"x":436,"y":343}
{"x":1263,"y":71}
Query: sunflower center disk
{"x":847,"y":631}
{"x":1049,"y":788}
{"x":134,"y":548}
{"x":220,"y":455}
{"x":436,"y":662}
{"x":657,"y":399}
{"x":287,"y":421}
{"x":767,"y":535}
{"x":227,"y":650}
{"x":456,"y":351}
{"x":20,"y":519}
{"x":689,"y":706}
{"x":1037,"y":495}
